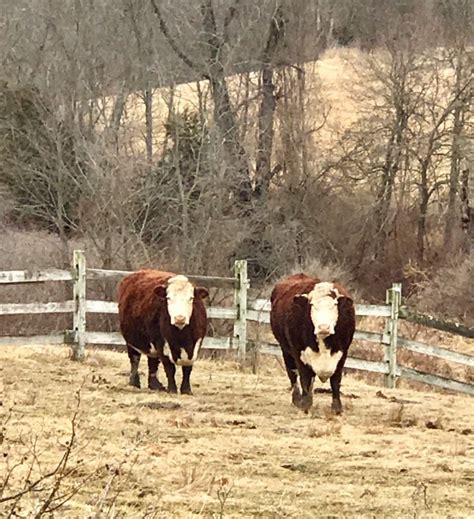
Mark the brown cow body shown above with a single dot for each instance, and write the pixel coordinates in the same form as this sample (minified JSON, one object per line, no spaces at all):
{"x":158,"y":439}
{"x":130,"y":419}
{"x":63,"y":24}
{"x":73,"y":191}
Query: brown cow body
{"x":147,"y":327}
{"x":293,"y":317}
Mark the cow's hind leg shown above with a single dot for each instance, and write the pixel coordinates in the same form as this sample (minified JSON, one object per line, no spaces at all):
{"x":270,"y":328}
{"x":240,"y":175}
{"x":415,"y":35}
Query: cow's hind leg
{"x":134,"y":357}
{"x":186,"y":383}
{"x":335,"y":381}
{"x":153,"y":382}
{"x":292,"y":372}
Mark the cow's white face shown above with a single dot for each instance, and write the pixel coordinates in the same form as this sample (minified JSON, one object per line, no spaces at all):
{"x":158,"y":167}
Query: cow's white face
{"x":179,"y":299}
{"x":324,"y":312}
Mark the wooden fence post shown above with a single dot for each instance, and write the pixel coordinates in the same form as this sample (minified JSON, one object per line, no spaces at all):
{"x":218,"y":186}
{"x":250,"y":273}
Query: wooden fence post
{"x":79,"y":295}
{"x":393,"y":297}
{"x":240,"y":300}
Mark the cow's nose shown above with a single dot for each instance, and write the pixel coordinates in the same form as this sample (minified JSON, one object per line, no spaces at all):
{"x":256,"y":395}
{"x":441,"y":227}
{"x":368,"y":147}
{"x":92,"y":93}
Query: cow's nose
{"x":324,"y":329}
{"x":180,"y":320}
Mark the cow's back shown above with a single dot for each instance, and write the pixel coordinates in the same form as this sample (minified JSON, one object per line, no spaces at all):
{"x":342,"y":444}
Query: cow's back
{"x":285,"y":315}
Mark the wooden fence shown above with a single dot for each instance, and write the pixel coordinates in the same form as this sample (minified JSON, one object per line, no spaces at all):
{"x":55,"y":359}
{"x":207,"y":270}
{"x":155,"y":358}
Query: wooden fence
{"x":243,"y":311}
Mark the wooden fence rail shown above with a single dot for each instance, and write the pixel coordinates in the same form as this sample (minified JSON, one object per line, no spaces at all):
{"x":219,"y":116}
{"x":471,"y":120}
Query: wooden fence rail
{"x":243,"y":311}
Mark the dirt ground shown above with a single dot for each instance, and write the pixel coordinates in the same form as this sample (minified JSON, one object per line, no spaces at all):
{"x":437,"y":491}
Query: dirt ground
{"x":237,"y":448}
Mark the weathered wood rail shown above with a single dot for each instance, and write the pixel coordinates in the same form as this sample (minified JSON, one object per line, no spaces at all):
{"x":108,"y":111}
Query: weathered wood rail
{"x":243,"y":311}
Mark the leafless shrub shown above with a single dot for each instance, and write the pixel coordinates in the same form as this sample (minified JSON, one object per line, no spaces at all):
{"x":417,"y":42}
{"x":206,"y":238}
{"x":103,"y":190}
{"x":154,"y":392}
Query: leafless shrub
{"x":51,"y":490}
{"x":223,"y":491}
{"x":446,"y":293}
{"x":331,"y":271}
{"x":27,"y":486}
{"x":420,"y":497}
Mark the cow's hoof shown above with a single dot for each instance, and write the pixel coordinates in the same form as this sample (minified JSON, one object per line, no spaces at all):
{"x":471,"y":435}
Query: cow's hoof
{"x":336,"y":407}
{"x":306,"y":402}
{"x":186,"y":391}
{"x":155,"y":385}
{"x":134,"y":381}
{"x":172,"y":390}
{"x":296,"y":397}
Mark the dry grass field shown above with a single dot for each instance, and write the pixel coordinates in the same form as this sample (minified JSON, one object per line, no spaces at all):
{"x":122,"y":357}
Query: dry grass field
{"x":237,"y":448}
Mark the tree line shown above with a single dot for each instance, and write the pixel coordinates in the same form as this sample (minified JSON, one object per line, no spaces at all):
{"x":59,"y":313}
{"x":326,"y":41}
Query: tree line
{"x":254,"y":165}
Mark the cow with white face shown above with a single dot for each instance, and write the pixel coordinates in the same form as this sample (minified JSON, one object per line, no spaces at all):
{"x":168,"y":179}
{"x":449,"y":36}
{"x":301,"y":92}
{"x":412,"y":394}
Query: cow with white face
{"x":314,"y":323}
{"x":163,"y":316}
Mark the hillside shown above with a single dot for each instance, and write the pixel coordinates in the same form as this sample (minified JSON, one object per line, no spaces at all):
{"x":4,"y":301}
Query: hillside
{"x":329,"y":80}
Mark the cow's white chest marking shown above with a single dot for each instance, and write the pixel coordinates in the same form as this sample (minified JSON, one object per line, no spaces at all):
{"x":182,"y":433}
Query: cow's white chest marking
{"x":321,"y":362}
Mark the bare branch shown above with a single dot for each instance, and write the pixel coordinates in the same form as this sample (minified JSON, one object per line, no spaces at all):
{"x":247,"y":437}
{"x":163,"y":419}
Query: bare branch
{"x":173,"y":43}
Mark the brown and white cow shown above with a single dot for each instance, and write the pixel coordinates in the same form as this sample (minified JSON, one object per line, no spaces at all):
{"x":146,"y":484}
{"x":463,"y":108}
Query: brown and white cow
{"x":314,"y":323}
{"x":163,"y":316}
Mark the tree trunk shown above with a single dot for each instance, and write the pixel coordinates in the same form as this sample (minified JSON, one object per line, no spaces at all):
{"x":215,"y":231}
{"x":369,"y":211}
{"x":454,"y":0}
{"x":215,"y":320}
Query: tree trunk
{"x":148,"y":100}
{"x":374,"y":239}
{"x":467,"y":212}
{"x":224,"y":114}
{"x":126,"y":247}
{"x":423,"y":204}
{"x":382,"y":210}
{"x":184,"y":206}
{"x":391,"y":166}
{"x":267,"y":107}
{"x":450,"y":224}
{"x":116,"y":117}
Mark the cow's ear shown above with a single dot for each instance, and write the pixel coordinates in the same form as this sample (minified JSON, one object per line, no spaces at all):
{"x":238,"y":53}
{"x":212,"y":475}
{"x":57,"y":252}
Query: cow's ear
{"x":340,"y":296}
{"x":300,"y":299}
{"x":160,"y":291}
{"x":201,"y":292}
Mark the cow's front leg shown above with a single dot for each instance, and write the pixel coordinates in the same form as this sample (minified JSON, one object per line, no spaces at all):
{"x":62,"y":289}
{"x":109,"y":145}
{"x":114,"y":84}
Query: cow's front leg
{"x":306,"y":380}
{"x":153,"y":382}
{"x":335,"y":381}
{"x":186,"y":383}
{"x":134,"y":357}
{"x":170,"y":370}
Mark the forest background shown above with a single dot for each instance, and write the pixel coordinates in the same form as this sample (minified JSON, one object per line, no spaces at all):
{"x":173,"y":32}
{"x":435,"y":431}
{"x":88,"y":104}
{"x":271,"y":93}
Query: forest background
{"x":334,"y":137}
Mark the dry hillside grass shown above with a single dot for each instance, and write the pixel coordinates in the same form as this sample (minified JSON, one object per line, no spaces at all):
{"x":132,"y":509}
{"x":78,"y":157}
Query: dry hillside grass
{"x":235,"y":449}
{"x":330,"y":81}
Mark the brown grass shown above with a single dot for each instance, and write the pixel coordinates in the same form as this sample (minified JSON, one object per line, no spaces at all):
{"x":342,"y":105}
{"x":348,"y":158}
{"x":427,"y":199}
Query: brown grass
{"x":237,"y":448}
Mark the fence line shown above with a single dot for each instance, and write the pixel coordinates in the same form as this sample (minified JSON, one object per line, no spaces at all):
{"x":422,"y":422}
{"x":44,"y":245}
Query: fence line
{"x":207,"y":281}
{"x":243,"y":311}
{"x":28,"y":276}
{"x":437,"y":324}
